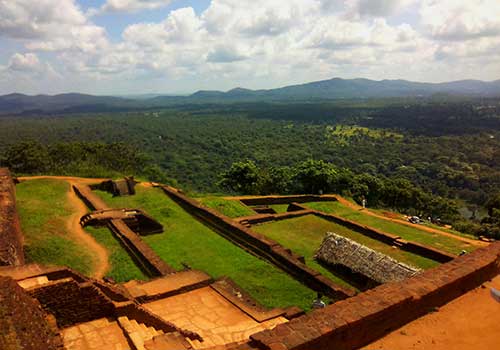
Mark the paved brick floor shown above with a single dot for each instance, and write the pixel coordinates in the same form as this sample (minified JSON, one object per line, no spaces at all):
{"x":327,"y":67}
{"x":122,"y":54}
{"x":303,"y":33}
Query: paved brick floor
{"x":97,"y":334}
{"x":209,"y":314}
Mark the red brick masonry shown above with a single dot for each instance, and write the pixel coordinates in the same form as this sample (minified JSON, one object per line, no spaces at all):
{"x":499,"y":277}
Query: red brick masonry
{"x":11,"y":237}
{"x":358,"y":321}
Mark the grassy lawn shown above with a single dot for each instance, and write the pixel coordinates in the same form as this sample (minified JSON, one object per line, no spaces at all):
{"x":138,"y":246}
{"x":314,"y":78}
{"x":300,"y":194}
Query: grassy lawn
{"x":445,"y":243}
{"x":231,"y":208}
{"x":305,"y":234}
{"x":279,"y":208}
{"x":43,"y":209}
{"x":186,"y":240}
{"x":123,"y":267}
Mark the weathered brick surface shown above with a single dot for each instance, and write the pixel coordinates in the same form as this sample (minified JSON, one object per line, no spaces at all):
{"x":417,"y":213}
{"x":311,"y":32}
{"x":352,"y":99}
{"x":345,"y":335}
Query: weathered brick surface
{"x":23,"y":323}
{"x":357,"y":321}
{"x":11,"y":237}
{"x":260,"y":245}
{"x":71,"y":302}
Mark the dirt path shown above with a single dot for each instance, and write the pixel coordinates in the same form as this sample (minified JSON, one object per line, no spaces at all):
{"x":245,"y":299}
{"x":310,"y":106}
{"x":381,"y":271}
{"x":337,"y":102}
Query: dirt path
{"x":353,"y":206}
{"x":73,"y":222}
{"x":471,"y":321}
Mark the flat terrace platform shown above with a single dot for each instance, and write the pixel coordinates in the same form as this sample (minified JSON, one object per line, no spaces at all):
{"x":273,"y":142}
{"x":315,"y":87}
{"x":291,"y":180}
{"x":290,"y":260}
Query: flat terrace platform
{"x":212,"y":316}
{"x":471,"y":321}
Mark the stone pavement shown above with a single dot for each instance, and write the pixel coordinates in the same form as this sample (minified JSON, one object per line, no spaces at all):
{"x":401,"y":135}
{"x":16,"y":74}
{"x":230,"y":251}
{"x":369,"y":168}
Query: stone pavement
{"x":209,"y":314}
{"x":98,"y":334}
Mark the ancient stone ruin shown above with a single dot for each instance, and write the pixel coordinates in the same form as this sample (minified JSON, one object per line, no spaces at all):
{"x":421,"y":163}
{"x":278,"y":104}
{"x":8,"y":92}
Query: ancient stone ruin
{"x":338,"y":251}
{"x":123,"y":187}
{"x":136,"y":219}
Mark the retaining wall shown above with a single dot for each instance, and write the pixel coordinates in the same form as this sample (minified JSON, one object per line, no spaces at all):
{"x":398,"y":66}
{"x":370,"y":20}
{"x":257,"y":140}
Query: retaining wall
{"x":270,"y":200}
{"x":141,"y":252}
{"x":360,"y":320}
{"x":260,"y":245}
{"x":413,"y":247}
{"x":11,"y":237}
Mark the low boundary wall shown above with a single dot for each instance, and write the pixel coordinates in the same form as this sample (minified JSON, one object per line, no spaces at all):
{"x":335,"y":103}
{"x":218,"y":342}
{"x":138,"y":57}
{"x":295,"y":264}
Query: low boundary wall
{"x":409,"y":246}
{"x":270,"y":200}
{"x":296,"y":210}
{"x":260,"y":246}
{"x":360,"y":320}
{"x":141,"y":252}
{"x":11,"y":236}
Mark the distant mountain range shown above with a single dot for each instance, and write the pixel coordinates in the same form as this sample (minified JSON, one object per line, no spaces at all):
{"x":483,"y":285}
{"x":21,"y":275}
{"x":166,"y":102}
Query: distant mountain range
{"x":333,"y":89}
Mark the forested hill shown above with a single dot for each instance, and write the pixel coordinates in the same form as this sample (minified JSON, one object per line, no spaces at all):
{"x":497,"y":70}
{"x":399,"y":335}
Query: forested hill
{"x":334,"y":89}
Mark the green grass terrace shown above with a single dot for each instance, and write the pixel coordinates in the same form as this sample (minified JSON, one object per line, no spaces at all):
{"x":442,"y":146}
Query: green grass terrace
{"x":187,"y":241}
{"x":409,"y":233}
{"x":44,"y":211}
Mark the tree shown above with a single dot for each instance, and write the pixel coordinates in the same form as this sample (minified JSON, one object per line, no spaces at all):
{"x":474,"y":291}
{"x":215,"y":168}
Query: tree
{"x":313,"y":176}
{"x":242,"y":177}
{"x":27,"y":157}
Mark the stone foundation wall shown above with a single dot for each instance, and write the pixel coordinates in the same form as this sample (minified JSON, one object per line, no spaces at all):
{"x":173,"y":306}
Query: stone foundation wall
{"x":360,"y":320}
{"x":11,"y":237}
{"x":413,"y":247}
{"x":261,"y":246}
{"x":270,"y":200}
{"x":336,"y":250}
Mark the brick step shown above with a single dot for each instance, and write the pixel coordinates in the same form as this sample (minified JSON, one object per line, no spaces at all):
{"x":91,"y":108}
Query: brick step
{"x":168,"y":341}
{"x":138,"y":333}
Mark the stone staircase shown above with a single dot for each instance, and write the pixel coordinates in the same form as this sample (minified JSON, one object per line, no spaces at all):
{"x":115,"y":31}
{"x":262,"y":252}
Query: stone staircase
{"x":149,"y":338}
{"x":138,"y":333}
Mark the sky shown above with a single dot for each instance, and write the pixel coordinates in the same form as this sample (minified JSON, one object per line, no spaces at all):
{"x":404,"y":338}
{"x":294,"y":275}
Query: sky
{"x":122,"y":47}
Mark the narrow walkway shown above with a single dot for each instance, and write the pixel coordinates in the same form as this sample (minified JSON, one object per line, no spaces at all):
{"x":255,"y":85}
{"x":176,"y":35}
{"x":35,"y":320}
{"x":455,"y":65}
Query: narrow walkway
{"x":101,"y":265}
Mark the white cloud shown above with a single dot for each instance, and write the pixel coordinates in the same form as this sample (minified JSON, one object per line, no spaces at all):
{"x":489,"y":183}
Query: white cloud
{"x":24,"y":63}
{"x":50,"y":25}
{"x":256,"y":43}
{"x":461,"y":19}
{"x":129,"y":6}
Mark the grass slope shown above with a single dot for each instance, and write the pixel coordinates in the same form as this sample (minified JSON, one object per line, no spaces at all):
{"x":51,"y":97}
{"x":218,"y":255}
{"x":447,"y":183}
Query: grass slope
{"x":445,"y":243}
{"x":43,"y":209}
{"x":305,"y":234}
{"x":231,"y":208}
{"x":123,"y":267}
{"x":188,"y":241}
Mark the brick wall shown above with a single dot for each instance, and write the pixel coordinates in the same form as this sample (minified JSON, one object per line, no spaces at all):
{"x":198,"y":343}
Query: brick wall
{"x":23,"y":323}
{"x":270,"y":200}
{"x":11,"y":237}
{"x":261,"y":246}
{"x":72,"y":302}
{"x":360,"y":320}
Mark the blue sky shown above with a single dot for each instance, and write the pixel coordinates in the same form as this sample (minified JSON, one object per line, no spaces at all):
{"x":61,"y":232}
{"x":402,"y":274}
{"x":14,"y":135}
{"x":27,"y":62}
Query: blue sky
{"x":180,"y":46}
